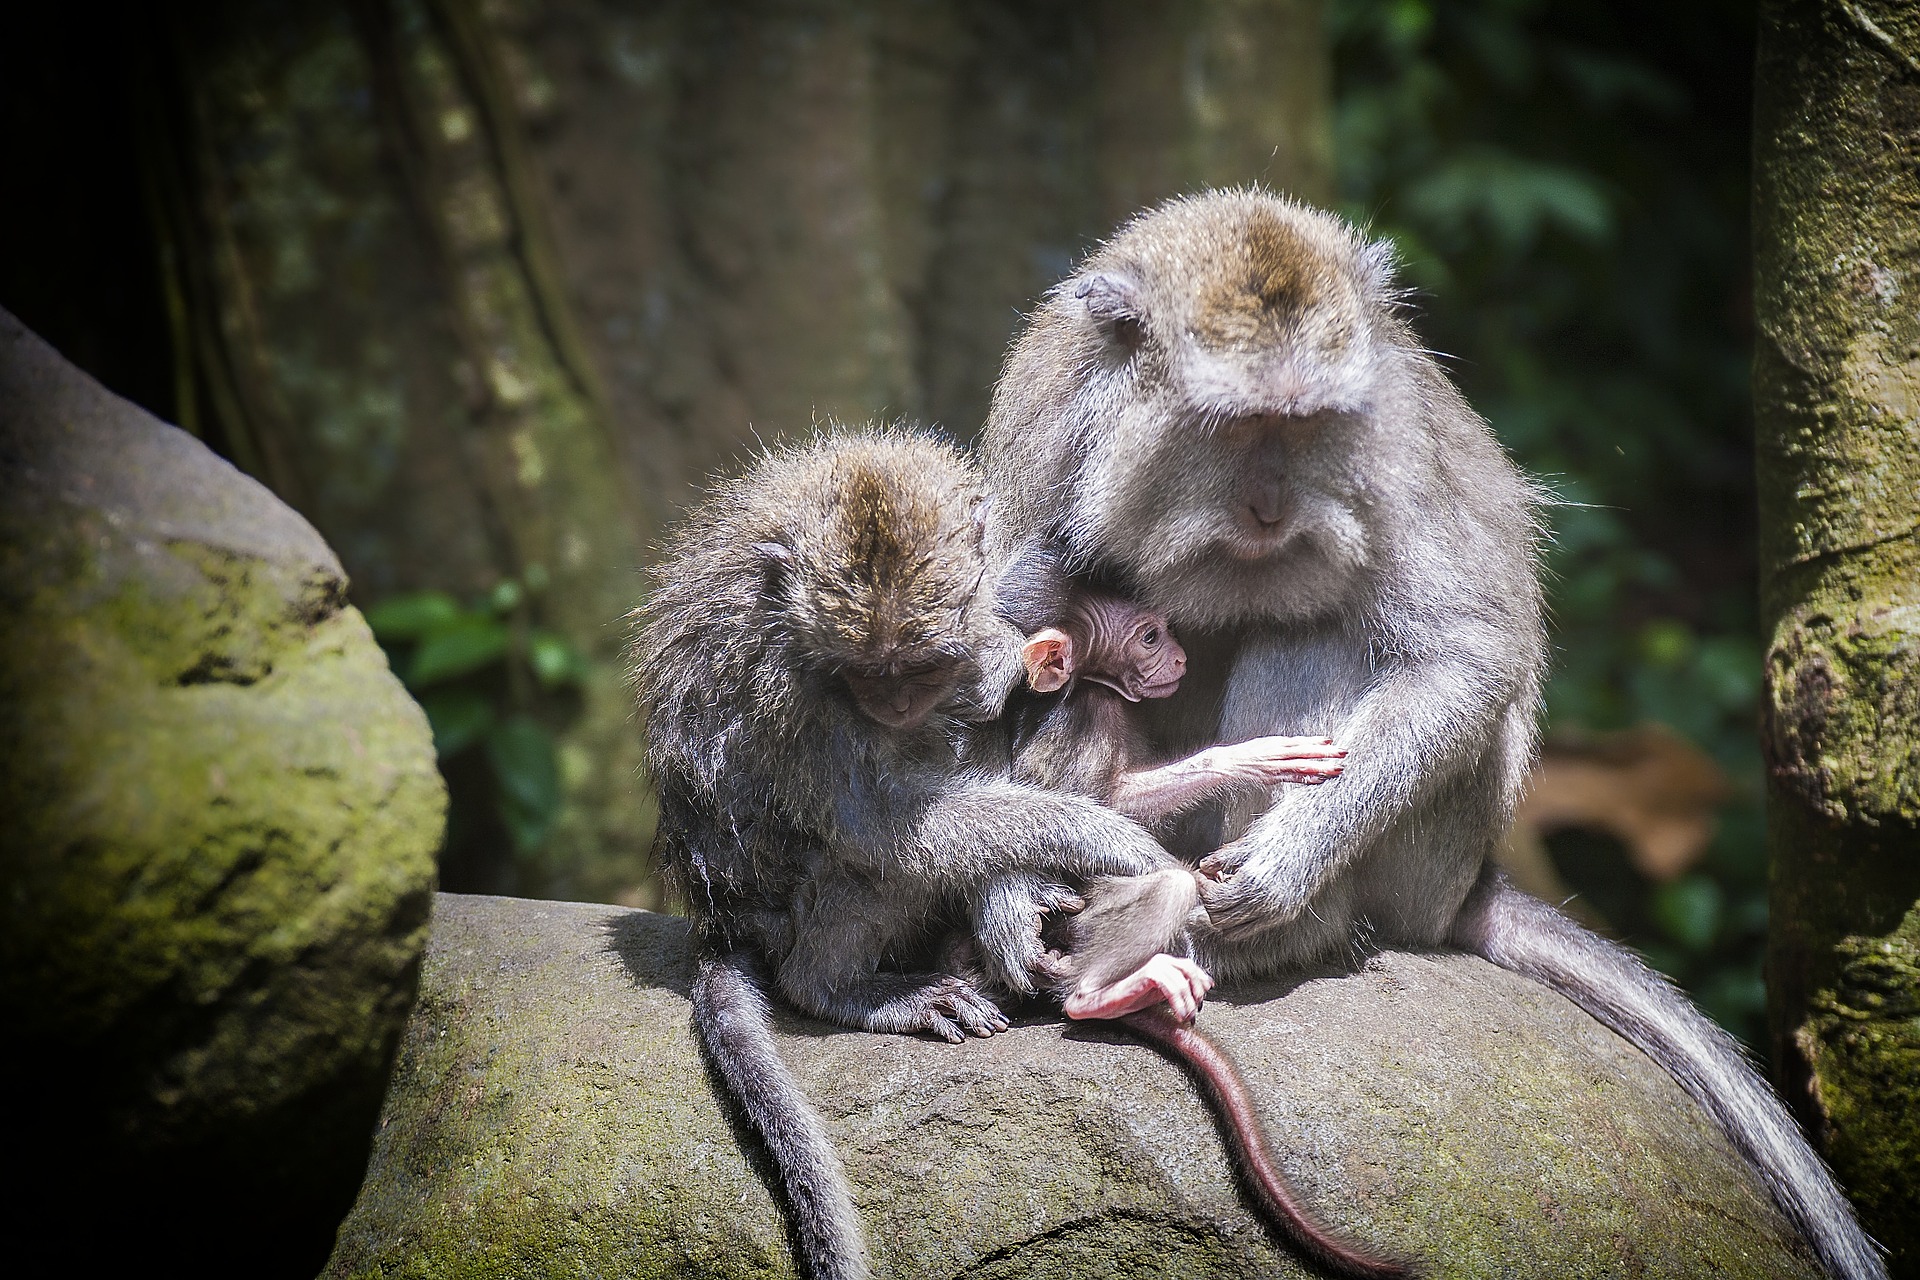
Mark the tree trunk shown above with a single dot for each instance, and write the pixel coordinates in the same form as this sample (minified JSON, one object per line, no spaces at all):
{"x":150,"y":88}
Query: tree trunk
{"x":485,"y":289}
{"x":1837,"y":392}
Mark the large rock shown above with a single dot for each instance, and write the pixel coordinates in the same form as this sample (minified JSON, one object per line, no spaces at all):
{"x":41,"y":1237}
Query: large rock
{"x":550,"y":1115}
{"x":218,"y":856}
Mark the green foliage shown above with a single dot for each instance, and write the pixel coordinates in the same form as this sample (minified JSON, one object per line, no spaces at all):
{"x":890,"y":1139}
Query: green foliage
{"x":489,"y":681}
{"x":1567,"y":184}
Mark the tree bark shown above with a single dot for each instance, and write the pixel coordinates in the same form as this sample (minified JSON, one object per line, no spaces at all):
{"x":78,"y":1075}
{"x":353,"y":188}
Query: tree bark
{"x":1837,"y":392}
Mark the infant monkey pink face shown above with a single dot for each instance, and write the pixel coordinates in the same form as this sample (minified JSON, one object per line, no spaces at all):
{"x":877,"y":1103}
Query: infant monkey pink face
{"x":1110,"y":641}
{"x":1152,"y":662}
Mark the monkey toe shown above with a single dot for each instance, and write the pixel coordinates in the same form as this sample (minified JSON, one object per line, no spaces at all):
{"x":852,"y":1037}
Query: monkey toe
{"x":944,"y":1027}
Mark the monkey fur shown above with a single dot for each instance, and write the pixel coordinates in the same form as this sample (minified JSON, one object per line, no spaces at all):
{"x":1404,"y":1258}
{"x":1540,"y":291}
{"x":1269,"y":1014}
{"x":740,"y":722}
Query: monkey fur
{"x":811,"y":664}
{"x":1098,"y":652}
{"x":1124,"y":955}
{"x":1223,"y":411}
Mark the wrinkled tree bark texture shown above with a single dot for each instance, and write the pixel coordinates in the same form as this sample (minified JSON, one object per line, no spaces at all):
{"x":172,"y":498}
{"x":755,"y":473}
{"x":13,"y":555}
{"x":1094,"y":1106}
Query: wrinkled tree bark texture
{"x":484,"y":289}
{"x":1837,"y":391}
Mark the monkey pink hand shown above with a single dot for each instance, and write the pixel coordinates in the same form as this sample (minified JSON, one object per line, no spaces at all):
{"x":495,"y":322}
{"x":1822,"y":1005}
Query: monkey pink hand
{"x":1274,"y":760}
{"x":1179,"y":982}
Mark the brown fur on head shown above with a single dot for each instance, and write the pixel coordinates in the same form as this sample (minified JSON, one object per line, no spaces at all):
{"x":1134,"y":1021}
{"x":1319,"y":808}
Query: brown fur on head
{"x":874,"y":568}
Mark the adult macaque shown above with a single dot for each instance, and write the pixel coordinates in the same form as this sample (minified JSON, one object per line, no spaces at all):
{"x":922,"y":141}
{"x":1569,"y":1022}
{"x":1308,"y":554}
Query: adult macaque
{"x":1223,"y":411}
{"x":810,"y":665}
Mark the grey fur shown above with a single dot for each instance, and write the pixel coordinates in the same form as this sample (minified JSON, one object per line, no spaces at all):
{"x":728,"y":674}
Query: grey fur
{"x":805,"y":832}
{"x":1223,"y":410}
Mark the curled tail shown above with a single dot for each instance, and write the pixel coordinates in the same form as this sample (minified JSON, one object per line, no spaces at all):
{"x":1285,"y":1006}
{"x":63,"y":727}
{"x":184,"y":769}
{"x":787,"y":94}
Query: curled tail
{"x":1526,"y":936}
{"x":736,"y":1030}
{"x":1221,"y":1085}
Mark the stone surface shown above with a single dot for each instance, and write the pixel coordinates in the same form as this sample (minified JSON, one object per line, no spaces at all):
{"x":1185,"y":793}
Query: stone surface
{"x":550,"y":1116}
{"x":222,"y":814}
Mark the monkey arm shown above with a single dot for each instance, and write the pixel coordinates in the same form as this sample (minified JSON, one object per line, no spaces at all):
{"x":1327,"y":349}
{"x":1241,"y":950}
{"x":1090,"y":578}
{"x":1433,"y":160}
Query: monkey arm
{"x":1153,"y":793}
{"x":1420,"y":725}
{"x":981,"y":826}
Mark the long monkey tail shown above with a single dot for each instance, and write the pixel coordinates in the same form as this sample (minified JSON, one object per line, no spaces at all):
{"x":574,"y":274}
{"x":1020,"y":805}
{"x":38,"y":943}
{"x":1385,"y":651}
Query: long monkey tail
{"x":1221,"y":1085}
{"x":1526,"y":936}
{"x":735,"y":1026}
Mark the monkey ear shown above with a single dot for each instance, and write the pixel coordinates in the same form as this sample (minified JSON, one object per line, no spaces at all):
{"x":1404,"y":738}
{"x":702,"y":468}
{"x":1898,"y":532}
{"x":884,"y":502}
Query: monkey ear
{"x":775,"y":560}
{"x":1378,"y":260}
{"x":1048,"y":655}
{"x":1114,"y":302}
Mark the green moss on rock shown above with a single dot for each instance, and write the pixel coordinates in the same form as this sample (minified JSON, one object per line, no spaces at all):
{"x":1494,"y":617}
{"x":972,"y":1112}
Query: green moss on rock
{"x":1862,"y":1042}
{"x":550,"y":1115}
{"x":223,"y":813}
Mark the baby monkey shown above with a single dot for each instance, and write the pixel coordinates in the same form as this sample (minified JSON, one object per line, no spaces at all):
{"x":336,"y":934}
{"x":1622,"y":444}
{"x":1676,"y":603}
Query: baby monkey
{"x":1089,"y":655}
{"x":1123,"y":949}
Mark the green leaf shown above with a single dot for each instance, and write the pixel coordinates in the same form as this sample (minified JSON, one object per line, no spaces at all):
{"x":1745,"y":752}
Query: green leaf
{"x":466,"y":644}
{"x":505,"y":597}
{"x":458,"y":717}
{"x":411,"y":616}
{"x":555,"y":661}
{"x":1666,"y":642}
{"x":524,"y":764}
{"x":1690,"y":911}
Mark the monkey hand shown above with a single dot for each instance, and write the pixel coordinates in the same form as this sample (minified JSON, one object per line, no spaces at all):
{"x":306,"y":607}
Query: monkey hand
{"x":952,"y":1009}
{"x":1274,"y":760}
{"x":1241,"y":900}
{"x":1009,"y":919}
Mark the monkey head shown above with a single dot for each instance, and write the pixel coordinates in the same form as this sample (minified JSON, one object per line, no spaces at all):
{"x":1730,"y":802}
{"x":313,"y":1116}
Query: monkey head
{"x":874,"y":578}
{"x":1119,"y":644}
{"x":1187,"y":405}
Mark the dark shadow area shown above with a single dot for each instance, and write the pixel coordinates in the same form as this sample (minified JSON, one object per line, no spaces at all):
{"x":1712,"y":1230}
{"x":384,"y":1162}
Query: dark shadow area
{"x":655,"y":950}
{"x":81,"y":260}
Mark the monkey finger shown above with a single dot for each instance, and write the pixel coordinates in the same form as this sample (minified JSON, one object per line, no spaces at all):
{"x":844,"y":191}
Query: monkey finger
{"x":1297,"y":748}
{"x":1198,"y":978}
{"x":1219,"y":866}
{"x":1068,"y":904}
{"x":942,"y":1026}
{"x":1051,"y":965}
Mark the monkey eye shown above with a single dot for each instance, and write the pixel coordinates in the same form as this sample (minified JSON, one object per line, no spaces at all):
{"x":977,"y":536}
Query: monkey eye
{"x":1150,"y":637}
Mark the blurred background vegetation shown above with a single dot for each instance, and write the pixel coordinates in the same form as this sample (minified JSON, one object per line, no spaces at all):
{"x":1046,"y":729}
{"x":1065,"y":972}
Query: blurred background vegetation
{"x":1569,"y":186}
{"x":485,"y":289}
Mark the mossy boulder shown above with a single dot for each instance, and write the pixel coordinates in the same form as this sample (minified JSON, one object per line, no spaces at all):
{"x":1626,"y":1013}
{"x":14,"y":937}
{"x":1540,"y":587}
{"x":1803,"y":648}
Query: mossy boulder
{"x":550,"y":1115}
{"x":218,"y":859}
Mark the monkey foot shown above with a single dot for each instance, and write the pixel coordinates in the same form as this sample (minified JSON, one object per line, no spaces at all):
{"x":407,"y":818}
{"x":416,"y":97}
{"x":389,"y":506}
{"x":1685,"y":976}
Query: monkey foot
{"x":1180,"y":983}
{"x":952,"y":1009}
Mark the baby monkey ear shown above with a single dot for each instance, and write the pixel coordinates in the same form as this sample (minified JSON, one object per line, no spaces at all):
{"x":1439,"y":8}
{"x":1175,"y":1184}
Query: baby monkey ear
{"x":1048,"y":656}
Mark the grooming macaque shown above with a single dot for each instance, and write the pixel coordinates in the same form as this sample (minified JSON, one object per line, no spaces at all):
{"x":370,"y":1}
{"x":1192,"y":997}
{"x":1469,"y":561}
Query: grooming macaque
{"x":810,"y":665}
{"x":1224,"y":410}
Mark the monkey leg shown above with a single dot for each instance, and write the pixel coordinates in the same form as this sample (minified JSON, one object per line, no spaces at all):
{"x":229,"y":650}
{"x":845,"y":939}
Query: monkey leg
{"x":1179,"y":983}
{"x":842,"y":932}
